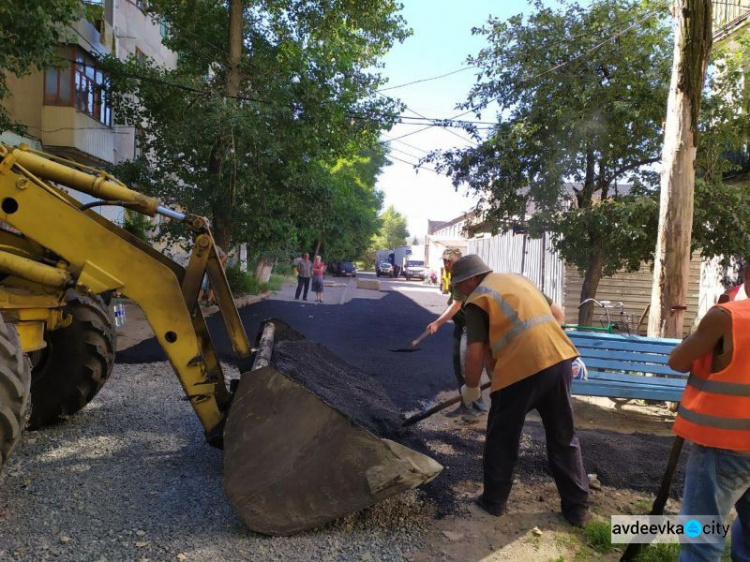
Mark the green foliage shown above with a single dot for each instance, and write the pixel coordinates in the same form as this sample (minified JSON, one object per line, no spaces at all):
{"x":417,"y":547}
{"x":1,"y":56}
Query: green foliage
{"x":580,"y":117}
{"x":721,"y":223}
{"x":31,"y":32}
{"x":721,"y":219}
{"x":291,"y":162}
{"x":572,"y":128}
{"x":659,"y":553}
{"x":345,"y":221}
{"x":628,"y":221}
{"x":244,"y":283}
{"x":277,"y":281}
{"x":136,"y":224}
{"x":597,"y":535}
{"x":393,"y":231}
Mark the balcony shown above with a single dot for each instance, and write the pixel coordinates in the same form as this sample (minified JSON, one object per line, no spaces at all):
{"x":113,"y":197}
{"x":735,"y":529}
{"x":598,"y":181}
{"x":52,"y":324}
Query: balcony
{"x":729,"y":16}
{"x":71,"y":133}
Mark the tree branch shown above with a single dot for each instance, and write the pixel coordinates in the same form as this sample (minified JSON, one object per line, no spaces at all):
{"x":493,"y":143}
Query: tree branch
{"x":631,"y":166}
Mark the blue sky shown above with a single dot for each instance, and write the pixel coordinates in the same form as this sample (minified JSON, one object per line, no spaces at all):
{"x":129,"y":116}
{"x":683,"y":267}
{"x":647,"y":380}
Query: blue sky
{"x":440,"y":44}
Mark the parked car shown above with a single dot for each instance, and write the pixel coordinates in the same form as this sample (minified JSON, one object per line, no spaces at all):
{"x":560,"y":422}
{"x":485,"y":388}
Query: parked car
{"x":415,"y":269}
{"x":343,"y":268}
{"x":384,"y":268}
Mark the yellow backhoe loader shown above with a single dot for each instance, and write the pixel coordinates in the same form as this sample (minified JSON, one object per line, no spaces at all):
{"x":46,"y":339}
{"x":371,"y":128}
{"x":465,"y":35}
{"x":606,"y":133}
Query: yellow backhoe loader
{"x":59,"y":259}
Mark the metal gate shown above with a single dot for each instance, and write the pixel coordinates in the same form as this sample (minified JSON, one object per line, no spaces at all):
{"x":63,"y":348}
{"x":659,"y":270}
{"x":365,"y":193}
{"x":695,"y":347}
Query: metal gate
{"x":519,"y":253}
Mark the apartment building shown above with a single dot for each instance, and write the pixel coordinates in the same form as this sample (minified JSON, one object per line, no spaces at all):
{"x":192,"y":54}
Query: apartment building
{"x":62,"y":109}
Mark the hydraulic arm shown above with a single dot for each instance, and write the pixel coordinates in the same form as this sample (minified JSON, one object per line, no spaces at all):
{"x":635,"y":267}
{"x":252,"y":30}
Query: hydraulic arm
{"x":82,"y":250}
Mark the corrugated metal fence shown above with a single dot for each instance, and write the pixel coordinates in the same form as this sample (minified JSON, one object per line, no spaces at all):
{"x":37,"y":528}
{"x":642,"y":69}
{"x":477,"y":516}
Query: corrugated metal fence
{"x":519,"y":253}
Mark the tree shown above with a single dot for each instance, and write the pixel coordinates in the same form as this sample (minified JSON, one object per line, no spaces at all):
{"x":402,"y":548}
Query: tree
{"x":393,"y":231}
{"x":722,"y":212}
{"x":342,"y":225}
{"x":31,"y":33}
{"x":580,"y":107}
{"x":693,"y":39}
{"x":258,"y":163}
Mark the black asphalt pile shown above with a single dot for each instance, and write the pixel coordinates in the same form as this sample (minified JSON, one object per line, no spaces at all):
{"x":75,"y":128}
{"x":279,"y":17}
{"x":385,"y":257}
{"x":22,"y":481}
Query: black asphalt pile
{"x":633,"y":461}
{"x":352,"y":392}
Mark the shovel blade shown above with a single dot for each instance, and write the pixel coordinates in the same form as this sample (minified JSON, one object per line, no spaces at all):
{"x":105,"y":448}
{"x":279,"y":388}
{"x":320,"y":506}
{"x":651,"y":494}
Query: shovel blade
{"x":292,"y":462}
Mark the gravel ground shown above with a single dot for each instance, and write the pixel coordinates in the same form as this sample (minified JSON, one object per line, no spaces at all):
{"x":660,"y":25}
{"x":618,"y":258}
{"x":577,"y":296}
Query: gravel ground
{"x":131,"y":478}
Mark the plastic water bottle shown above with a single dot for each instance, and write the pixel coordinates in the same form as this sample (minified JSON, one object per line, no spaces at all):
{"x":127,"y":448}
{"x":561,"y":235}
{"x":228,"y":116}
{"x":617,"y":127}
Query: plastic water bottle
{"x":119,"y":313}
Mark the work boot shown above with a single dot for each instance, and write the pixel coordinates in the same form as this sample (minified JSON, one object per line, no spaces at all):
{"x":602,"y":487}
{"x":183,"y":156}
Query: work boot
{"x":460,"y":411}
{"x":480,"y":406}
{"x":494,"y":510}
{"x":472,"y":416}
{"x":578,"y":517}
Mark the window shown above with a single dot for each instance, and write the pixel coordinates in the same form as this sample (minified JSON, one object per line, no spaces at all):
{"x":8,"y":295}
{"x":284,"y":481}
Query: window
{"x":58,"y":80}
{"x":90,"y":97}
{"x":163,"y":28}
{"x":141,"y":5}
{"x":80,"y":85}
{"x":140,"y":56}
{"x":140,"y":142}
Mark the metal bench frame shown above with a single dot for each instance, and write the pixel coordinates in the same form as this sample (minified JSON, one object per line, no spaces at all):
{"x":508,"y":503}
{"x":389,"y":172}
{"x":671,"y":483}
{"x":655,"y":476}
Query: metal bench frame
{"x":624,"y":366}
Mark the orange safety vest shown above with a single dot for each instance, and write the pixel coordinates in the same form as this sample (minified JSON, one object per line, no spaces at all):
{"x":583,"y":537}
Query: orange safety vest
{"x":524,"y":336}
{"x":715,"y":407}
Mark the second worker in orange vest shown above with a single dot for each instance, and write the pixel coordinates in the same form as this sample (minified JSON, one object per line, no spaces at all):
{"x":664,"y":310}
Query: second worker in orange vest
{"x":714,"y":414}
{"x":512,"y":330}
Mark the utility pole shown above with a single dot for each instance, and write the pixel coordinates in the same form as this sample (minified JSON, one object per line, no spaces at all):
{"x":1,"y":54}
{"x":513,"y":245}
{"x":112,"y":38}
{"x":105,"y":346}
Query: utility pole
{"x":693,"y":39}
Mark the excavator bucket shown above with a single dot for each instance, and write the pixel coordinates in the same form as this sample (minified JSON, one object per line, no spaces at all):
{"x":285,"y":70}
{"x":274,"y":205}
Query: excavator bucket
{"x":306,"y":439}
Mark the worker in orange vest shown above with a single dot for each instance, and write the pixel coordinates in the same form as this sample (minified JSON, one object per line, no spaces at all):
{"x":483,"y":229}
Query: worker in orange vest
{"x":714,"y":414}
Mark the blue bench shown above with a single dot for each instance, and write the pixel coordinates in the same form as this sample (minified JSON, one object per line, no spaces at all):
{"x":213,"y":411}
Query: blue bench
{"x":622,"y":366}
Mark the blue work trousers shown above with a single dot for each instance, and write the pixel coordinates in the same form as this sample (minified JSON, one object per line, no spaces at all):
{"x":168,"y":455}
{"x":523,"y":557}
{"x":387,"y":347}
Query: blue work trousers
{"x":716,"y":479}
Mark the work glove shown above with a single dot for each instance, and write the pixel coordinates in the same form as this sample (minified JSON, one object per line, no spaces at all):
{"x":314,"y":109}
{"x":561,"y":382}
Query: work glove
{"x":470,"y":394}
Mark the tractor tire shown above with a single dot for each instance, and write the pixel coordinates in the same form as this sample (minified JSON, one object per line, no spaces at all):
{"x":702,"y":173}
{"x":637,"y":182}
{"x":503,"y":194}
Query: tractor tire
{"x":15,"y":390}
{"x":78,"y":359}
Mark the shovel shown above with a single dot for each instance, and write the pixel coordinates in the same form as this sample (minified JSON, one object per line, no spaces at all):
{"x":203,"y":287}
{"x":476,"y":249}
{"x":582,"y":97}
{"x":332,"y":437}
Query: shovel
{"x":413,"y":345}
{"x":435,"y":409}
{"x":634,"y":549}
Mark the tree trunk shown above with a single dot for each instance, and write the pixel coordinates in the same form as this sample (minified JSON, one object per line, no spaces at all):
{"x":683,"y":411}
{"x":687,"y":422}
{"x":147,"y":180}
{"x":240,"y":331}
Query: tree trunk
{"x":672,"y":258}
{"x":590,"y":285}
{"x":222,"y":198}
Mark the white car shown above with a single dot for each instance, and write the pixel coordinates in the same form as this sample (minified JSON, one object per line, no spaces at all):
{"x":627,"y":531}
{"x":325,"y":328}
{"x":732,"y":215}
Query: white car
{"x":415,"y":269}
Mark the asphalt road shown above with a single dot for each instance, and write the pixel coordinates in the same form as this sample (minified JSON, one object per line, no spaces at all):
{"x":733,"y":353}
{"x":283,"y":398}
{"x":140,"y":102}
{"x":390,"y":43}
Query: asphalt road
{"x":361,"y":326}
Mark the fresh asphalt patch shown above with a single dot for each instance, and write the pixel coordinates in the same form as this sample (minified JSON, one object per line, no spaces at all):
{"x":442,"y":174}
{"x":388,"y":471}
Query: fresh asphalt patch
{"x":362,"y":331}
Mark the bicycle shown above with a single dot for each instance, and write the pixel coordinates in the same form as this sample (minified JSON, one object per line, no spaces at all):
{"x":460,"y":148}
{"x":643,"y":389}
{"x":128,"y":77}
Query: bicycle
{"x":621,"y":324}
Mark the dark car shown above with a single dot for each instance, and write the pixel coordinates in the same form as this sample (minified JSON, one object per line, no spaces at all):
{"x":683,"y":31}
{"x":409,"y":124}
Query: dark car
{"x":384,"y":268}
{"x":343,"y":268}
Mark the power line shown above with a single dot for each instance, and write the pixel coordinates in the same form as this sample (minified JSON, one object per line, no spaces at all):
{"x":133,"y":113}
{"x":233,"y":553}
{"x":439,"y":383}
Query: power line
{"x":418,"y":166}
{"x":537,"y":76}
{"x":407,"y":144}
{"x":426,"y":79}
{"x":570,"y":61}
{"x":405,"y":152}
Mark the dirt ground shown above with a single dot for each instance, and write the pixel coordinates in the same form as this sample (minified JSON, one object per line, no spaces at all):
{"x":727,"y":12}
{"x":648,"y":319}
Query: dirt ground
{"x":616,"y":441}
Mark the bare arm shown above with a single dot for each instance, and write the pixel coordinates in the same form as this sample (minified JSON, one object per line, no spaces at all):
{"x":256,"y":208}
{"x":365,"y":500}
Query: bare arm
{"x":444,"y":317}
{"x":701,"y":342}
{"x":476,"y":355}
{"x":558,"y":313}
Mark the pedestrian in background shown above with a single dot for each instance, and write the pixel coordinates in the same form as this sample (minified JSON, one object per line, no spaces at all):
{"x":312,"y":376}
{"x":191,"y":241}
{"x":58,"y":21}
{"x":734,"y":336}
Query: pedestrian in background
{"x":455,"y":312}
{"x":512,"y":331}
{"x":713,"y":414}
{"x":318,"y":273}
{"x":304,"y":271}
{"x":206,"y":293}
